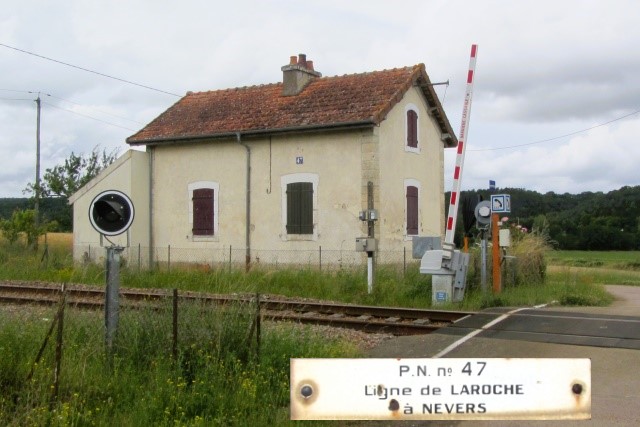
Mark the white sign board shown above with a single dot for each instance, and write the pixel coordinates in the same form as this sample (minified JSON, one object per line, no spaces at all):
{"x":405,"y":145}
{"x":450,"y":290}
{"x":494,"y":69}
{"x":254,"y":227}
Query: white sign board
{"x":440,"y":389}
{"x":500,"y":203}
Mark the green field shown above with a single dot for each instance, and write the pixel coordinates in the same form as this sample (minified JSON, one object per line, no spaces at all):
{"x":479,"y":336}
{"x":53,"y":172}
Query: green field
{"x":624,"y":260}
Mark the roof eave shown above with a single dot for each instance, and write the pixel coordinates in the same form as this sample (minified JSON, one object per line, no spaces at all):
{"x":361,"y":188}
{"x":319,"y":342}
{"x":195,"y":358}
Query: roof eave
{"x":370,"y":122}
{"x":436,"y":111}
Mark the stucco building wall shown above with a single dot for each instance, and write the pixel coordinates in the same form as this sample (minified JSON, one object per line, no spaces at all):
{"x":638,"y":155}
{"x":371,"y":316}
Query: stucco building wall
{"x":423,"y":168}
{"x":129,"y":174}
{"x":332,"y":160}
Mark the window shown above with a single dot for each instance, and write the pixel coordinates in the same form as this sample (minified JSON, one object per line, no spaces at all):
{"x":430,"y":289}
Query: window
{"x":412,"y":193}
{"x":412,"y":211}
{"x":300,"y":208}
{"x":202,"y":212}
{"x":411,"y":128}
{"x":203,"y":209}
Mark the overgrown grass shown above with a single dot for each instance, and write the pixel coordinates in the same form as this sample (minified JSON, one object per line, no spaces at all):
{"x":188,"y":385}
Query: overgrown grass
{"x":561,"y":289}
{"x":217,"y":380}
{"x":533,"y":282}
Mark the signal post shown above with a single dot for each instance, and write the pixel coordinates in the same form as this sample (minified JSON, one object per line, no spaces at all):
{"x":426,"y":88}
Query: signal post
{"x":111,"y":213}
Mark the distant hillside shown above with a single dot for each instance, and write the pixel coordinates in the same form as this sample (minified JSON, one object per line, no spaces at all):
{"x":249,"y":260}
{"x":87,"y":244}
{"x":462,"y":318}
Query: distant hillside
{"x":51,"y":209}
{"x":585,"y":221}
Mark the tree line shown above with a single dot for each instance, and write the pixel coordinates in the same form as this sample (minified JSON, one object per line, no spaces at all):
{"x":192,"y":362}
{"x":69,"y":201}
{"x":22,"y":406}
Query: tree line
{"x":585,"y":221}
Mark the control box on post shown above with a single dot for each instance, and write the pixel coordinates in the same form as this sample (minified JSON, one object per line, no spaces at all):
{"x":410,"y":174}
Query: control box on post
{"x":365,"y":244}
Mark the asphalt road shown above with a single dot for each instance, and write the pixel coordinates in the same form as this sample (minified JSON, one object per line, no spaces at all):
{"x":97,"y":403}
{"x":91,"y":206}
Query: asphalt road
{"x":609,"y":336}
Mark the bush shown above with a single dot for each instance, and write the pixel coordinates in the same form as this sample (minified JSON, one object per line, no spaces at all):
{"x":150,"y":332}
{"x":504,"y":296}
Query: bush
{"x":530,"y":264}
{"x":527,"y":265}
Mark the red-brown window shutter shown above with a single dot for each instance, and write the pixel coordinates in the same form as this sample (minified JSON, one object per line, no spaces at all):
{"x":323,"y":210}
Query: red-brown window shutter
{"x":203,"y":212}
{"x":412,"y":129}
{"x":412,"y":210}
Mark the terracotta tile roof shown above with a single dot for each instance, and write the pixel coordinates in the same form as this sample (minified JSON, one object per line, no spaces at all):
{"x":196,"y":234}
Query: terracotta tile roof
{"x":326,"y":102}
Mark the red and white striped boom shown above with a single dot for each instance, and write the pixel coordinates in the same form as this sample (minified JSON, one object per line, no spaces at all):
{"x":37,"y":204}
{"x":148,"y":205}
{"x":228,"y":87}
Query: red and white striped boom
{"x":462,"y":145}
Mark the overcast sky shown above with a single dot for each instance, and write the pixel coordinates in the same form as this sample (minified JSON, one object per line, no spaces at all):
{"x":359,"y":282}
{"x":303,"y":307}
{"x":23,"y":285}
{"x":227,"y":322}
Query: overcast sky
{"x":556,"y":97}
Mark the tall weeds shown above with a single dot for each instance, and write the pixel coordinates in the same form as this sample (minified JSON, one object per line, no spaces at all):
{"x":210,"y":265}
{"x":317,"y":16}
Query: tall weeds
{"x":216,"y":380}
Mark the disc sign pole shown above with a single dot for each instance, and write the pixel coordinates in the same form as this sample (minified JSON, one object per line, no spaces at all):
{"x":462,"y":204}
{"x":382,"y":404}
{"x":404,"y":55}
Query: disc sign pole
{"x":111,"y":300}
{"x":111,"y":213}
{"x":482,"y":213}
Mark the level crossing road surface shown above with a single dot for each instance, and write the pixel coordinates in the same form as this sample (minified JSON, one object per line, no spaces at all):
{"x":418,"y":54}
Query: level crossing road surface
{"x":609,"y":336}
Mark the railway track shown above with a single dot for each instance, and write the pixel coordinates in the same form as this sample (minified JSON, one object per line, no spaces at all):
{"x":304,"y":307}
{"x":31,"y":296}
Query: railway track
{"x":397,"y":321}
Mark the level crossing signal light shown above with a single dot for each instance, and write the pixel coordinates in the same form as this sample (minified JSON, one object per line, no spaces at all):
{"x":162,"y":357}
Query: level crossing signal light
{"x":483,"y":213}
{"x":111,"y":213}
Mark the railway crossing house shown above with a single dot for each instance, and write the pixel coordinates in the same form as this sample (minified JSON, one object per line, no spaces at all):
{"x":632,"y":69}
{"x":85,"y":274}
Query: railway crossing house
{"x":283,"y":167}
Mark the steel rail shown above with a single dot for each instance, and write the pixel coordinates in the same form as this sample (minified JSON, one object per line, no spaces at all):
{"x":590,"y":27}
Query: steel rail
{"x":399,"y":321}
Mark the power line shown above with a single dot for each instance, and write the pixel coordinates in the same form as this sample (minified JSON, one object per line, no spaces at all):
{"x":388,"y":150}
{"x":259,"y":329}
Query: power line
{"x":87,"y":116}
{"x":99,"y":111}
{"x":558,"y":137}
{"x":90,"y":71}
{"x":14,"y":90}
{"x":71,"y":111}
{"x":17,"y":91}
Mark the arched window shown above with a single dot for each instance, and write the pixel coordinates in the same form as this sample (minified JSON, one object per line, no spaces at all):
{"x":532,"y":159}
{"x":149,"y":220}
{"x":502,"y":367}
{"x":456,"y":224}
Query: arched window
{"x":412,"y":126}
{"x":412,"y":129}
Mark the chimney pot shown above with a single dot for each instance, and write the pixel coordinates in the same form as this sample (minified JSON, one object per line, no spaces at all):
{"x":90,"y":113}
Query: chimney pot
{"x":302,"y":60}
{"x":297,"y":74}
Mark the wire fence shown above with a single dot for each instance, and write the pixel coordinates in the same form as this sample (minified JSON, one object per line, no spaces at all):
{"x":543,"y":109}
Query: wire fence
{"x":170,"y":257}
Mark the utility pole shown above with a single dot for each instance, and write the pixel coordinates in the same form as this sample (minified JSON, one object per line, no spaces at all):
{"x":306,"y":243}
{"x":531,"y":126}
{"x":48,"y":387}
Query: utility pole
{"x":36,"y":207}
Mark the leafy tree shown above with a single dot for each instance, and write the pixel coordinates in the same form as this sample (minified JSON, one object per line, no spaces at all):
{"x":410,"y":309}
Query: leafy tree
{"x":23,"y":221}
{"x":65,"y":179}
{"x":10,"y":229}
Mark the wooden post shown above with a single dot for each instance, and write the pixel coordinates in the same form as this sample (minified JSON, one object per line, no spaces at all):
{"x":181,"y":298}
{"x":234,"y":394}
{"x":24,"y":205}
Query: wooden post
{"x":258,"y":326}
{"x":495,"y":241}
{"x":56,"y":371}
{"x":174,"y":347}
{"x":404,"y":262}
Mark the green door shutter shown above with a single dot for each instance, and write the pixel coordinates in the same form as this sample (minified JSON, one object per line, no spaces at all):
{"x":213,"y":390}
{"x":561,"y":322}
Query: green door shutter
{"x":300,"y":208}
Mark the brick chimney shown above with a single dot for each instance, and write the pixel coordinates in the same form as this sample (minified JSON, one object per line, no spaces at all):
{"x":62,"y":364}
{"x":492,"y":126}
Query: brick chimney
{"x":297,"y":74}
